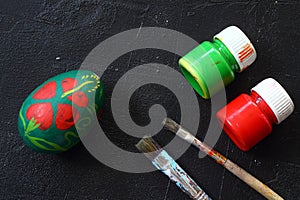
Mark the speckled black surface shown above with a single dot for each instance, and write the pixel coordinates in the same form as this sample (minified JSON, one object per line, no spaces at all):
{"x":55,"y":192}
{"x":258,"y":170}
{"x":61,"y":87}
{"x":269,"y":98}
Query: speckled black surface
{"x":39,"y":39}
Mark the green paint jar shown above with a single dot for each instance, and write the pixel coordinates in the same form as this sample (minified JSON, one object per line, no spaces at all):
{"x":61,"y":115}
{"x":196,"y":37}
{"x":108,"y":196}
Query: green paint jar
{"x":211,"y":65}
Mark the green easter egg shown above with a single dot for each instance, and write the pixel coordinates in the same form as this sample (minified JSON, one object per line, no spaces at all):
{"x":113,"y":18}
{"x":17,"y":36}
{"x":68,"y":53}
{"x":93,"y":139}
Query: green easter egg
{"x":51,"y":115}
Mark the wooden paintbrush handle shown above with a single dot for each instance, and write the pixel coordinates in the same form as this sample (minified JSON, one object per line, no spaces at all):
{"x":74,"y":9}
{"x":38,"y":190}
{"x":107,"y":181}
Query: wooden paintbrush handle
{"x":251,"y":181}
{"x":222,"y":160}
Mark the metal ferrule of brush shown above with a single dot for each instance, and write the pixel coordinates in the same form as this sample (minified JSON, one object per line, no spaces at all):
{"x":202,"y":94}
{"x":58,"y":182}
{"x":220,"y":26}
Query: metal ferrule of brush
{"x":168,"y":166}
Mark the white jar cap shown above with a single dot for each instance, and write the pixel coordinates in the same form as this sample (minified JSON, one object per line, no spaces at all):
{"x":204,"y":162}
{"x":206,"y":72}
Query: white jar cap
{"x":276,"y":97}
{"x":239,"y":45}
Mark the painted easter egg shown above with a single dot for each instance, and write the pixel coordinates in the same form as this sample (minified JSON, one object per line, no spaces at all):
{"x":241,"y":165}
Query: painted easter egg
{"x":52,"y":115}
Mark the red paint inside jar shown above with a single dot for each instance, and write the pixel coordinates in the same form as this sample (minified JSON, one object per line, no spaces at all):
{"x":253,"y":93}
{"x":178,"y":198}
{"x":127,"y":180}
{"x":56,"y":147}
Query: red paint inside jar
{"x":247,"y":120}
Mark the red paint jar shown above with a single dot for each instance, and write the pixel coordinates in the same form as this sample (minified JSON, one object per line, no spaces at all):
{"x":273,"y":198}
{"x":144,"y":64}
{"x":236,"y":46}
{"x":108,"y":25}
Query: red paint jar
{"x":249,"y":118}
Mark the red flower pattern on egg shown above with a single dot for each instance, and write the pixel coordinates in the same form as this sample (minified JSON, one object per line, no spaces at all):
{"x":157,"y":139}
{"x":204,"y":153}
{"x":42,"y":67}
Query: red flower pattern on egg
{"x":48,"y":115}
{"x":46,"y":92}
{"x":79,"y":98}
{"x":68,"y":84}
{"x":66,"y":116}
{"x":42,"y":113}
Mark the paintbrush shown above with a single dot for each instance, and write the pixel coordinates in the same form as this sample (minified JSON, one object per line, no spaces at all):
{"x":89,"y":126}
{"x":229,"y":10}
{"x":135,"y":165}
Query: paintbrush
{"x":165,"y":163}
{"x":222,"y":160}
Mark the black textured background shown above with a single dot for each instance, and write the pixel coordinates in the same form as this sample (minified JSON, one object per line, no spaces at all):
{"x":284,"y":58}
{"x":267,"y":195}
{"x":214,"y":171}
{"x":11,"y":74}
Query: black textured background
{"x":34,"y":33}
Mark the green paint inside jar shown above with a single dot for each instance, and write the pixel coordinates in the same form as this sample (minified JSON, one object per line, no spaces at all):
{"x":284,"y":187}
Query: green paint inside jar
{"x":212,"y":65}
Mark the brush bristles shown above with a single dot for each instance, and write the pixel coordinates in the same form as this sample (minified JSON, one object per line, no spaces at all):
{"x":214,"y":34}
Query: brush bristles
{"x":149,"y":147}
{"x":171,"y":125}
